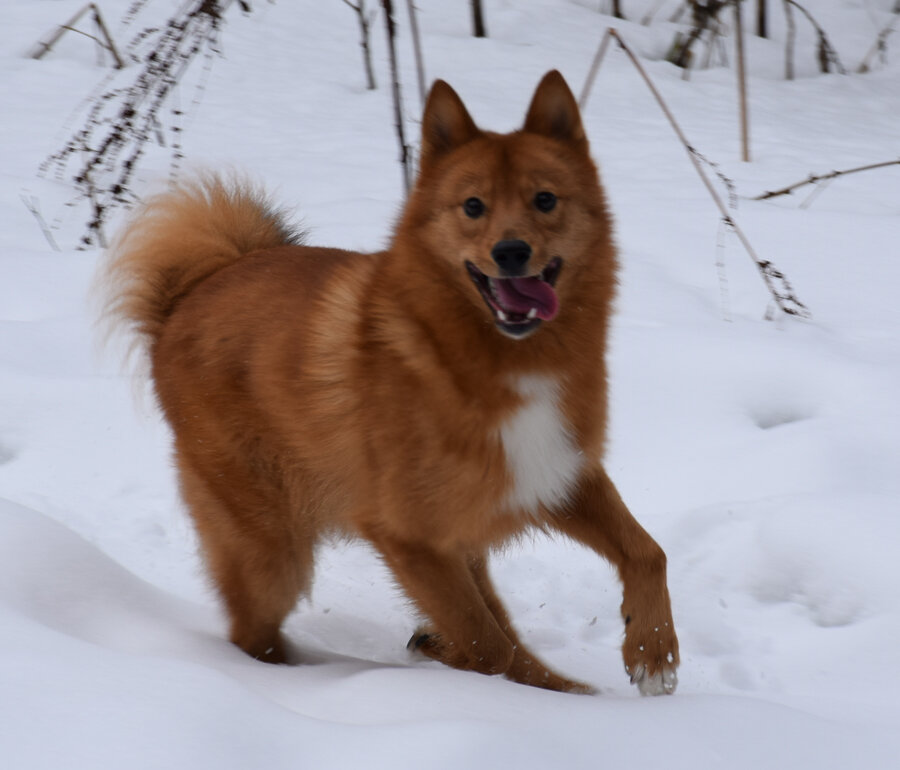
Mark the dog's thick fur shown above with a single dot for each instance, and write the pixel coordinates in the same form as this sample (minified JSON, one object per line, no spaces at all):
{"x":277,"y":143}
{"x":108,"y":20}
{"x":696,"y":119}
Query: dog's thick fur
{"x":314,"y":391}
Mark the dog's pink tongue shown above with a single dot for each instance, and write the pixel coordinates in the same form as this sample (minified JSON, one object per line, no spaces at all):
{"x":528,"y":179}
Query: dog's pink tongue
{"x":521,"y":295}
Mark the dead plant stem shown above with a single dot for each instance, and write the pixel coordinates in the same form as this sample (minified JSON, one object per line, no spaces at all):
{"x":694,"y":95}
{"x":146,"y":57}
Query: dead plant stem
{"x":784,"y":298}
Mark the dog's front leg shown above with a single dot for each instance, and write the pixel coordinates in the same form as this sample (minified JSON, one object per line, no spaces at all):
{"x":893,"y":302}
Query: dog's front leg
{"x":463,"y":632}
{"x":596,"y":516}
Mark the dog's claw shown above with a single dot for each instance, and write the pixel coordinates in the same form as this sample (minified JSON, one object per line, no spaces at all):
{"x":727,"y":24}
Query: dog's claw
{"x":417,"y":640}
{"x":663,"y":682}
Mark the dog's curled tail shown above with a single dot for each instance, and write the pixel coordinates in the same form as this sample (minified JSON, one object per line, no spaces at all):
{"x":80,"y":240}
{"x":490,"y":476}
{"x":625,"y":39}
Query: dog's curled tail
{"x":176,"y":240}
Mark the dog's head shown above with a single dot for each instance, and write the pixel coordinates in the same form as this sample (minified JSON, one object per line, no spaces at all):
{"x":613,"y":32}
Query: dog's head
{"x":516,"y":217}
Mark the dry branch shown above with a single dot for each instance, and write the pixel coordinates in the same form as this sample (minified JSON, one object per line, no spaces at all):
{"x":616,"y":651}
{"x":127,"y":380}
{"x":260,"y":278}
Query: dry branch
{"x":679,"y":12}
{"x":33,"y":205}
{"x":398,"y":99}
{"x":478,"y":27}
{"x":762,"y":19}
{"x":742,"y":82}
{"x":106,"y":42}
{"x":364,"y":22}
{"x":648,"y":17}
{"x":825,"y":52}
{"x":816,"y":178}
{"x":595,"y":68}
{"x":880,"y":44}
{"x":704,"y":15}
{"x":417,"y":50}
{"x":775,"y":280}
{"x":790,"y":37}
{"x":714,"y":40}
{"x":101,"y":158}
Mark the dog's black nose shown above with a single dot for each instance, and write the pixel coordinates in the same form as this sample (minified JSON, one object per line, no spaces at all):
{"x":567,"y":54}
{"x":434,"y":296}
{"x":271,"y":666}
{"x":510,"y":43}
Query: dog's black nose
{"x":511,"y":257}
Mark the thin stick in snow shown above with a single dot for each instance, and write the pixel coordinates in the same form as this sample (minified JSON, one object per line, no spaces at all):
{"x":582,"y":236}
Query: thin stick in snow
{"x":742,"y":81}
{"x":595,"y":68}
{"x":826,"y":53}
{"x":723,"y":275}
{"x":648,"y":17}
{"x":479,"y":29}
{"x":417,"y":49}
{"x":816,"y":178}
{"x":789,"y":42}
{"x":398,"y":99}
{"x":880,"y":43}
{"x":364,"y":22}
{"x":775,"y":280}
{"x":106,"y":43}
{"x":31,"y":203}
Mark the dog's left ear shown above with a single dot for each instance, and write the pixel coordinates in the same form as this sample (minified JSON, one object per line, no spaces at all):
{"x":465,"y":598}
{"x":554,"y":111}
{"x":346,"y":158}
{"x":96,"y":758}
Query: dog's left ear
{"x":554,"y":112}
{"x":446,"y":124}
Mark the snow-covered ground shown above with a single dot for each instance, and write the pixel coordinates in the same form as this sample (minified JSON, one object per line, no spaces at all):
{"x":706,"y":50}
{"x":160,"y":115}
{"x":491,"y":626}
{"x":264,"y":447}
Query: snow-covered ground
{"x":763,"y":455}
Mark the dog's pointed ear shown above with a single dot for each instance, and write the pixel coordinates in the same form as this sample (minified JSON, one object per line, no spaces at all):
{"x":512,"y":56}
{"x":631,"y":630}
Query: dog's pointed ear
{"x":446,"y":123}
{"x":554,"y":111}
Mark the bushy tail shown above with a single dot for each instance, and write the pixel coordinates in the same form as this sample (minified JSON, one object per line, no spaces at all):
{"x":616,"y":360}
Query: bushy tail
{"x":179,"y":238}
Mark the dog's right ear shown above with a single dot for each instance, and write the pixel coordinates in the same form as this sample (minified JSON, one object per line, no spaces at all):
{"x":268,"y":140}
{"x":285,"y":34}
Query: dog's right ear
{"x":446,"y":124}
{"x":554,"y":112}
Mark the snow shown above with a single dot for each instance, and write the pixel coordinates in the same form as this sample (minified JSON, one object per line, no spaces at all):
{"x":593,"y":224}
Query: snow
{"x":761,"y":454}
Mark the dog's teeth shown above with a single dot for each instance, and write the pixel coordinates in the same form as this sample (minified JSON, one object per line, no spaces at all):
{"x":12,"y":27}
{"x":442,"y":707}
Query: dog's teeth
{"x":502,"y":316}
{"x":532,"y":313}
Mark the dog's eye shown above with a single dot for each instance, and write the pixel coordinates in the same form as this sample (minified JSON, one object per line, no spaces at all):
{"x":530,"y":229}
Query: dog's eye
{"x":474,"y":207}
{"x":545,"y":201}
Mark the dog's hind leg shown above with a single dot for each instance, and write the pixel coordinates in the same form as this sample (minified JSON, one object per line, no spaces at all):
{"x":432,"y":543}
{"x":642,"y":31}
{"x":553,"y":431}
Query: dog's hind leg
{"x":259,"y":563}
{"x":526,"y":667}
{"x":462,"y":631}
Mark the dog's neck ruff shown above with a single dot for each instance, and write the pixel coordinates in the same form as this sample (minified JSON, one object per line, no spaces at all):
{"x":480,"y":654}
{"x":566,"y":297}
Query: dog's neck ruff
{"x":542,"y":460}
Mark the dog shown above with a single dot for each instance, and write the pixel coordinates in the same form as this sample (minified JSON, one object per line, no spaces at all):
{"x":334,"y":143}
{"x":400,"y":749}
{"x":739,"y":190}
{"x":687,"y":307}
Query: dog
{"x":436,"y":399}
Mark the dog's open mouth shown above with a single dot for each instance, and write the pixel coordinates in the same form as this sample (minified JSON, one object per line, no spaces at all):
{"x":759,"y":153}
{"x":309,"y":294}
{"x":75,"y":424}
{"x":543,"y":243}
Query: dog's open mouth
{"x":520,"y":304}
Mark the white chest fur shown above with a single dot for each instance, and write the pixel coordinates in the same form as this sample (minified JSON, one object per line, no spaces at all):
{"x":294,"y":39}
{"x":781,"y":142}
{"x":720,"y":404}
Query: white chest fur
{"x":541,"y":457}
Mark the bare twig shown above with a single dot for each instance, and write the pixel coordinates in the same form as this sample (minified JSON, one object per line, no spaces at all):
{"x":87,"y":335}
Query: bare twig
{"x":825,"y":52}
{"x":714,"y":39}
{"x":648,"y":17}
{"x":417,"y":49}
{"x":679,"y":12}
{"x":31,"y":203}
{"x":880,"y":44}
{"x":727,"y":182}
{"x":101,"y":26}
{"x":775,"y":280}
{"x":101,"y":158}
{"x":816,"y":192}
{"x":789,"y":41}
{"x":816,"y":178}
{"x":742,"y":82}
{"x":720,"y":268}
{"x":364,"y":21}
{"x":595,"y":67}
{"x":107,"y":42}
{"x":703,"y":16}
{"x":398,"y":99}
{"x":478,"y":27}
{"x":762,"y":18}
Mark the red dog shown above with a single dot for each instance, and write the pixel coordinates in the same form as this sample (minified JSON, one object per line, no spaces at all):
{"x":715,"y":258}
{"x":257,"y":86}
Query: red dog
{"x":436,"y":399}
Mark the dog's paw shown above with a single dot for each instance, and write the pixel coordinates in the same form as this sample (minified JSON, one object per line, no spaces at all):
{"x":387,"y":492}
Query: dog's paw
{"x":663,"y":682}
{"x":432,"y":645}
{"x":651,"y":656}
